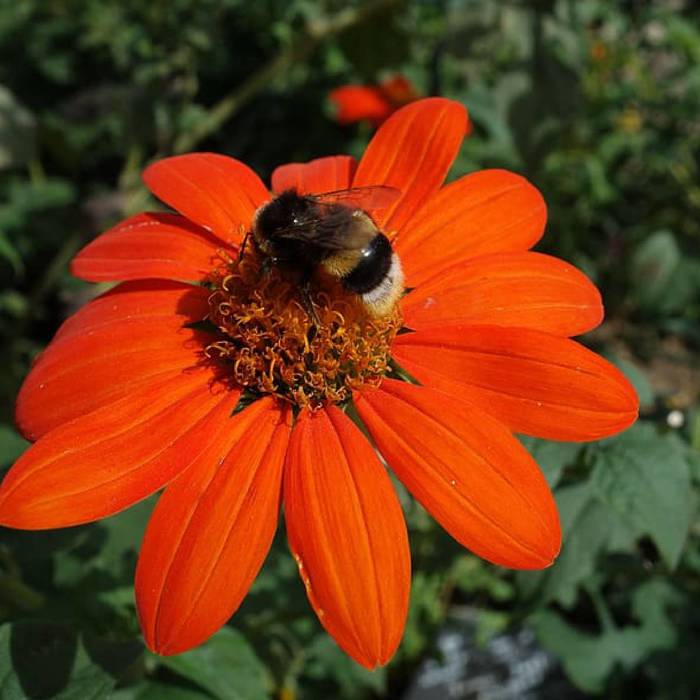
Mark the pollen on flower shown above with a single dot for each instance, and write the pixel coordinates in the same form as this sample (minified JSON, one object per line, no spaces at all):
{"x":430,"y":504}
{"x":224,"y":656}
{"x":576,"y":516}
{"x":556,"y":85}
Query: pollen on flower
{"x":270,"y":345}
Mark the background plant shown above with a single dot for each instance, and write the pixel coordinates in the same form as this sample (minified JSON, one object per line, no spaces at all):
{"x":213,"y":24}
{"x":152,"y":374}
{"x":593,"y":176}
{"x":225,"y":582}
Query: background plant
{"x":596,"y":102}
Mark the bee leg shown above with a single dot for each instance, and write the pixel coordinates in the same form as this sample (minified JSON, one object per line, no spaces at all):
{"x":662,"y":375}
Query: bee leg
{"x":241,"y":250}
{"x":267,"y":264}
{"x":305,"y":291}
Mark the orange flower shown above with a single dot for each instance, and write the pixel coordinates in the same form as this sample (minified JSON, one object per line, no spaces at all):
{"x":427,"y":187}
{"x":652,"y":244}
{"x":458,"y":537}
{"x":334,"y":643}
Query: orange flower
{"x":372,"y":103}
{"x":133,"y":395}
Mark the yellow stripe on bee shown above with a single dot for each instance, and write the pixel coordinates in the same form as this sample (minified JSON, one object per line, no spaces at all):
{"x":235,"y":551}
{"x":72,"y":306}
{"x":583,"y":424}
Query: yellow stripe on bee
{"x":342,"y":263}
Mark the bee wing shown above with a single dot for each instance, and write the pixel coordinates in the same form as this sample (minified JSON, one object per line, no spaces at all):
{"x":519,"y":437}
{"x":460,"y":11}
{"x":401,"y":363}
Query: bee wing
{"x":321,"y":230}
{"x":367,"y":198}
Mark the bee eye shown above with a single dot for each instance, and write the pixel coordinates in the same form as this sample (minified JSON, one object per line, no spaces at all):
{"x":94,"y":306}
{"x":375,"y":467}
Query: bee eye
{"x":295,"y":220}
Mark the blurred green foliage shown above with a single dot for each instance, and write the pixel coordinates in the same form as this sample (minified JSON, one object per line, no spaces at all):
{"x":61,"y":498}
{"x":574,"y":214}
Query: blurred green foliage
{"x":596,"y":102}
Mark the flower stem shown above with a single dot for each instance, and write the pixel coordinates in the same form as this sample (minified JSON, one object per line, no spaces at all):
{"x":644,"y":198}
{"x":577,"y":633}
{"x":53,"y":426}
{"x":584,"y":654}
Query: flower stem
{"x":316,"y":32}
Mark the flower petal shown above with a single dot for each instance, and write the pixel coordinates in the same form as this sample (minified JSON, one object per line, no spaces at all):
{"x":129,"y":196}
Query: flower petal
{"x":347,"y":533}
{"x":399,"y":89}
{"x":467,"y":470}
{"x":486,"y":212}
{"x":118,"y":344}
{"x":412,"y":151}
{"x":356,"y":103}
{"x":211,"y":530}
{"x":534,"y":382}
{"x":315,"y":177}
{"x":529,"y":290}
{"x":108,"y":460}
{"x":217,"y":192}
{"x":149,"y":245}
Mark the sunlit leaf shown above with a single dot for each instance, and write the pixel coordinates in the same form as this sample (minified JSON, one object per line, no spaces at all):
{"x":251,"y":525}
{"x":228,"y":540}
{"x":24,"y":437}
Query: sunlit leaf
{"x":226,"y":666}
{"x":645,"y":479}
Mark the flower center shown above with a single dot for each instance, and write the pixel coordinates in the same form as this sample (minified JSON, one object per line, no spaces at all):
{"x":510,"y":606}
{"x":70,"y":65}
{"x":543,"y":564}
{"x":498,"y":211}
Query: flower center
{"x":270,"y":344}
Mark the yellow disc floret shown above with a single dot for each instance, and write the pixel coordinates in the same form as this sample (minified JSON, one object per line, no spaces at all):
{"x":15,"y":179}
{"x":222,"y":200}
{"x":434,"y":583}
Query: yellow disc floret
{"x":271,"y":345}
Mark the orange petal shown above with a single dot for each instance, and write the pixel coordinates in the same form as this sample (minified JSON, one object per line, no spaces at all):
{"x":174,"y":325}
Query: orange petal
{"x":486,"y":212}
{"x":533,"y":382}
{"x":217,"y":192}
{"x":347,"y":533}
{"x":211,"y":530}
{"x":467,"y":470}
{"x":412,"y":151}
{"x":355,"y":103}
{"x":399,"y":89}
{"x":315,"y":177}
{"x":108,"y":460}
{"x":115,"y":346}
{"x":528,"y":290}
{"x":149,"y":245}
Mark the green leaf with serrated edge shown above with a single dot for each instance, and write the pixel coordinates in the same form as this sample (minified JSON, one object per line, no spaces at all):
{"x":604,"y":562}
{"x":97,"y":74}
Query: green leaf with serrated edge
{"x":571,"y":502}
{"x":551,"y":456}
{"x":225,"y":665}
{"x":589,"y":659}
{"x":587,"y":538}
{"x":644,"y":478}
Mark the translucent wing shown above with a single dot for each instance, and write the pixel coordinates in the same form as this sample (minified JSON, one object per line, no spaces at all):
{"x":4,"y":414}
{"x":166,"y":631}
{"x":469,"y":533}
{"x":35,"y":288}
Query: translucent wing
{"x":367,"y":198}
{"x":327,"y":229}
{"x":329,"y":224}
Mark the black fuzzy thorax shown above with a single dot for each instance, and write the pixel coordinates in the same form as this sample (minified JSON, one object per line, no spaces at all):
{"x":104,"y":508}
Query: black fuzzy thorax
{"x":301,"y":232}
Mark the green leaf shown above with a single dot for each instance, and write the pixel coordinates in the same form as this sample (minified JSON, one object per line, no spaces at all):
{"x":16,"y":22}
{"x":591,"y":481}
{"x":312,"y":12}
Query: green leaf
{"x":42,"y":660}
{"x":10,"y":686}
{"x":158,"y":691}
{"x":17,"y":131}
{"x":48,"y":646}
{"x":644,"y":478}
{"x":225,"y":665}
{"x":552,"y":457}
{"x":588,"y":659}
{"x":654,"y":264}
{"x":426,"y":611}
{"x":326,"y":660}
{"x":584,"y":538}
{"x":9,"y":252}
{"x":473,"y":575}
{"x":11,"y":444}
{"x":125,"y":531}
{"x":638,"y":377}
{"x":589,"y":528}
{"x":88,"y":683}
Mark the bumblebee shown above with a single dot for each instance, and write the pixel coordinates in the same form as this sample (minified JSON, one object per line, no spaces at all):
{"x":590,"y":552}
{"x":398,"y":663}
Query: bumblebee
{"x":334,"y":232}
